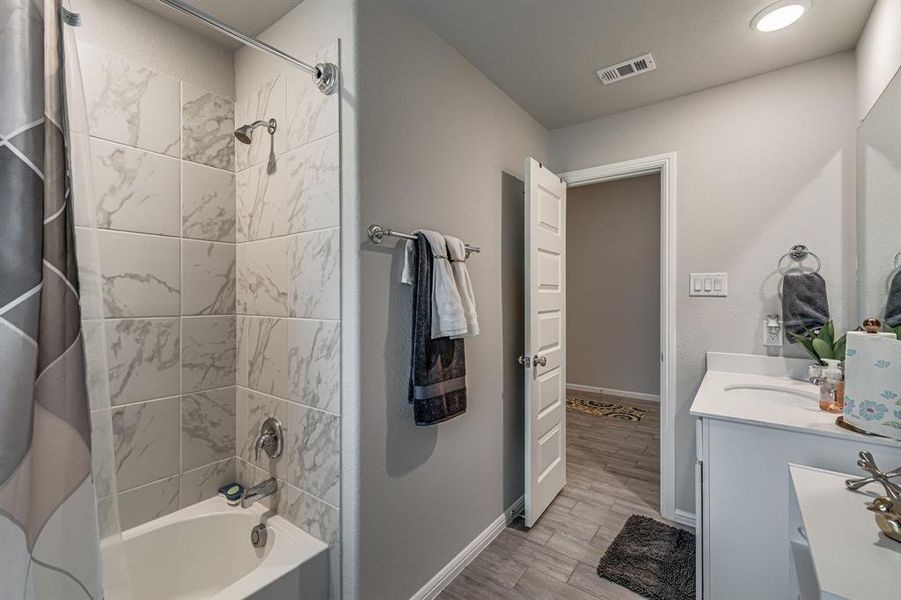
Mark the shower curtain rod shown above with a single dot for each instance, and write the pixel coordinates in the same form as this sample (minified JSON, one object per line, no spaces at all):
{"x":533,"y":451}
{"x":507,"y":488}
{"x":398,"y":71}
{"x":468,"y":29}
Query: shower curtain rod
{"x":325,"y":75}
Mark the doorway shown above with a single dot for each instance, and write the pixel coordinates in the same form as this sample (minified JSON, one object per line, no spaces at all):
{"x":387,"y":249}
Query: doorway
{"x":613,"y":341}
{"x":544,"y":193}
{"x":567,"y":538}
{"x":662,"y":168}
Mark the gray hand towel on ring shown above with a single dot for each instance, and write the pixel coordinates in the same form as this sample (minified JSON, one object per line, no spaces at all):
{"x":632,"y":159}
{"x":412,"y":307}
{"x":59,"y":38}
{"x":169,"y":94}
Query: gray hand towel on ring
{"x":804,"y":302}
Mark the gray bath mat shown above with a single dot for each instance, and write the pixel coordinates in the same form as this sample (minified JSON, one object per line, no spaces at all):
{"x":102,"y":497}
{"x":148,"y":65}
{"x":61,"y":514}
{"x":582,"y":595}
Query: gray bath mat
{"x":652,"y":559}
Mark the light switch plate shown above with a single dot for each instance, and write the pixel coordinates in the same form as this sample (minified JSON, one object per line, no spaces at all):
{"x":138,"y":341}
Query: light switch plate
{"x":708,"y":284}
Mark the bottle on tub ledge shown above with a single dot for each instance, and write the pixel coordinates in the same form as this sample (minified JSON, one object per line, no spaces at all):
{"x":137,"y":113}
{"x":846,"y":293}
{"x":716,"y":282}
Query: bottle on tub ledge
{"x":873,"y":381}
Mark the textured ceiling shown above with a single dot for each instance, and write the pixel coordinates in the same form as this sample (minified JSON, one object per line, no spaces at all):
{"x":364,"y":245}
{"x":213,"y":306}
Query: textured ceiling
{"x":250,"y":17}
{"x":544,"y":53}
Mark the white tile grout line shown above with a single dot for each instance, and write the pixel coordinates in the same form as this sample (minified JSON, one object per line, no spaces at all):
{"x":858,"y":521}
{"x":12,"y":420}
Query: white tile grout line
{"x":238,"y":324}
{"x":294,"y":234}
{"x":279,"y":398}
{"x":288,"y":151}
{"x":167,"y":477}
{"x":104,"y":230}
{"x":167,"y":397}
{"x":313,"y":319}
{"x":189,"y":317}
{"x":181,"y":276}
{"x":155,"y":153}
{"x":163,"y":236}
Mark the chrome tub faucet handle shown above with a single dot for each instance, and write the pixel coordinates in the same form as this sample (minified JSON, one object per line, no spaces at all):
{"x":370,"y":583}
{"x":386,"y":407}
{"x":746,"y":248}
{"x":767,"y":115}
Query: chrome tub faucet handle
{"x":270,"y":440}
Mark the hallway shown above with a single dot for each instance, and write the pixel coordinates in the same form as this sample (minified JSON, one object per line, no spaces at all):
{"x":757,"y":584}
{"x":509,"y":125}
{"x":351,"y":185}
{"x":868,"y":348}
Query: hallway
{"x":613,"y":472}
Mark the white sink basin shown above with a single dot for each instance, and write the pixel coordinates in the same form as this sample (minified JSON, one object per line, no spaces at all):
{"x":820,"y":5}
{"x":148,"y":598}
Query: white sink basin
{"x":757,"y":392}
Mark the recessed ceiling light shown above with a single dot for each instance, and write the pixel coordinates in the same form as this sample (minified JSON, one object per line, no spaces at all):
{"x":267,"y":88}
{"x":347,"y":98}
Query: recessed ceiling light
{"x":779,"y":15}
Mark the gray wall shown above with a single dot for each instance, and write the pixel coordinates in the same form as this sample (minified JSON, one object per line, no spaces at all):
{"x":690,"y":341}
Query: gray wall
{"x":613,"y":285}
{"x":441,"y":147}
{"x":762,"y":164}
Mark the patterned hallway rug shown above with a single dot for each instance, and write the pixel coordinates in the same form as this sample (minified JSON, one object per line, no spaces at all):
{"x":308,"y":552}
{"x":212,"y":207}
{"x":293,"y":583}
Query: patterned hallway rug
{"x":611,"y":410}
{"x":652,"y":559}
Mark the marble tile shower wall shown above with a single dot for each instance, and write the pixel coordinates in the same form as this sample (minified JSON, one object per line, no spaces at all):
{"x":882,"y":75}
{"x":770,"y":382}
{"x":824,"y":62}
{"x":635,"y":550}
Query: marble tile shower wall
{"x":288,"y":275}
{"x":156,"y":248}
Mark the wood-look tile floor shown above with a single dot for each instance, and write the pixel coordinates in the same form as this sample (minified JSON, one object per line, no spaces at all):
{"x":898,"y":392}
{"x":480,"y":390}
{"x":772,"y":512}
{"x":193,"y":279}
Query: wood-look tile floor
{"x":612,"y":473}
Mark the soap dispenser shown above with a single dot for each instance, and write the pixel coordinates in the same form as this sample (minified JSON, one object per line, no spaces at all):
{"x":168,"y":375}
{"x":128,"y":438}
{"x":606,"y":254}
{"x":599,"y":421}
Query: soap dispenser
{"x":831,"y":396}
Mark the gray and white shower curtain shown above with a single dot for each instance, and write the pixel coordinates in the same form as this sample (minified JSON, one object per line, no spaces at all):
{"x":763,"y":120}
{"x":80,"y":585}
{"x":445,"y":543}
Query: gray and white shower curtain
{"x":49,"y":544}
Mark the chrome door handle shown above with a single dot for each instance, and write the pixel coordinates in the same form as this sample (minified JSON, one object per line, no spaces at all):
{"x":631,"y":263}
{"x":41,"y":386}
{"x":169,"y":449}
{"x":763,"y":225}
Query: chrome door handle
{"x":539,"y":361}
{"x":524,"y":360}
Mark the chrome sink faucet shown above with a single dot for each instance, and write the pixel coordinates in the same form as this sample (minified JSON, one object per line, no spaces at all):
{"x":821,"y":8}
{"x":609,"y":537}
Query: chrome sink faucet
{"x":258,"y":492}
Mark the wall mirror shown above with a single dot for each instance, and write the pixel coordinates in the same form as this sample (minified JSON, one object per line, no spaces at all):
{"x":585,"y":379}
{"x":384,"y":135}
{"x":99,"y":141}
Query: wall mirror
{"x":879,"y":201}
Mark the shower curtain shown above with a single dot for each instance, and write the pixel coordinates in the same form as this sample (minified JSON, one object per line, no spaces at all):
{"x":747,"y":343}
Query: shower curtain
{"x":49,"y":546}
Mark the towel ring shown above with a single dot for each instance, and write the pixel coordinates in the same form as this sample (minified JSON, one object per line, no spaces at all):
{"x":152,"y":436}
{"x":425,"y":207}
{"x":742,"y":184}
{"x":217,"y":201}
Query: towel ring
{"x":798,"y":253}
{"x":897,"y":261}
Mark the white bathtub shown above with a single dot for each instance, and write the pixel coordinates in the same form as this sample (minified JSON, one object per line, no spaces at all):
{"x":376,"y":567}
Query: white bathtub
{"x":204,"y":551}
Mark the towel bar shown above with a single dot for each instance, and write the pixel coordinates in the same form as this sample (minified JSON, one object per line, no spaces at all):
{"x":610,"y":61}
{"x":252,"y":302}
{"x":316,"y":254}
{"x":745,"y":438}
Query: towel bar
{"x":377,"y":233}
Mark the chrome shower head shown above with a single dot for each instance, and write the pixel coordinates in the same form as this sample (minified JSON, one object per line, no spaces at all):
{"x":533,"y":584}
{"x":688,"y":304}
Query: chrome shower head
{"x":244,"y":133}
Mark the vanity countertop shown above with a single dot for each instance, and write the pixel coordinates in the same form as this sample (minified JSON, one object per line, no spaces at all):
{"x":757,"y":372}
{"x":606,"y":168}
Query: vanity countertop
{"x":849,"y":555}
{"x":767,"y":392}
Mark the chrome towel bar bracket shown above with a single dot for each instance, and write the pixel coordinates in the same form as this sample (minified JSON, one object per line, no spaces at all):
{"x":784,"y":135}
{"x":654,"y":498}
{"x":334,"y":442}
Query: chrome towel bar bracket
{"x":798,"y":253}
{"x":377,"y":233}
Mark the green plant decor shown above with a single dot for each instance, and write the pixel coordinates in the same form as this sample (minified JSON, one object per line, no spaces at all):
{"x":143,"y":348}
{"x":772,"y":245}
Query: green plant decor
{"x":895,"y":330}
{"x":821,"y":343}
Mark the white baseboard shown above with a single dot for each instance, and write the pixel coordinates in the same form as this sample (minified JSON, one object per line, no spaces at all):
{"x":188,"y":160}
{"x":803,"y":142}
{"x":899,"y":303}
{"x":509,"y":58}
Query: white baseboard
{"x":623,"y":393}
{"x":685,"y":518}
{"x":443,"y":578}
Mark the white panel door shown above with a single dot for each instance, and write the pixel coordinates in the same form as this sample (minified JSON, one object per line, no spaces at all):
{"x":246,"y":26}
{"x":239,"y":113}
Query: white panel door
{"x":545,"y":356}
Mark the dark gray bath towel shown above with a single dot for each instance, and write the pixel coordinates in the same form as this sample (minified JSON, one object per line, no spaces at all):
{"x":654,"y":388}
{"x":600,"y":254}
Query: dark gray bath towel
{"x":804,"y":302}
{"x":893,"y":303}
{"x":438,"y":366}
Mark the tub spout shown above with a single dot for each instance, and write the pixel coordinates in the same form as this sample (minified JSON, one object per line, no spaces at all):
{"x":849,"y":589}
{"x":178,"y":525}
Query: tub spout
{"x":258,"y":492}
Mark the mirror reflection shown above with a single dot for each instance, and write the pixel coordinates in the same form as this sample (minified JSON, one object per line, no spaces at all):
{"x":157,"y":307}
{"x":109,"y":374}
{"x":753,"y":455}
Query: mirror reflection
{"x":879,"y":208}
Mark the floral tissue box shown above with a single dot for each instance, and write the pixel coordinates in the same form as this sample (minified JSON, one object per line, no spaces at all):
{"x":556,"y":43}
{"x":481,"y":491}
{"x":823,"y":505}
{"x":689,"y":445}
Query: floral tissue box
{"x":873,"y":383}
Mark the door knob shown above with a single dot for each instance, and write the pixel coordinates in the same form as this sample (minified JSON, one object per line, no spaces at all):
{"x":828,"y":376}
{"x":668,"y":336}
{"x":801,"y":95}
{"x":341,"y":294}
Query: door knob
{"x":525,"y":361}
{"x":539,"y":361}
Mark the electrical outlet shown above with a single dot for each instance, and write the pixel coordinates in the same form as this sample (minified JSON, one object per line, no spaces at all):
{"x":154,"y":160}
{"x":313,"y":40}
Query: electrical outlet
{"x":773,"y":334}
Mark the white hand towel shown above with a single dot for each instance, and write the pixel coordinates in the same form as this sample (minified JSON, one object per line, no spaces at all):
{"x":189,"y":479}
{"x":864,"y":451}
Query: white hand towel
{"x":408,"y":275}
{"x":448,"y":318}
{"x":457,"y":253}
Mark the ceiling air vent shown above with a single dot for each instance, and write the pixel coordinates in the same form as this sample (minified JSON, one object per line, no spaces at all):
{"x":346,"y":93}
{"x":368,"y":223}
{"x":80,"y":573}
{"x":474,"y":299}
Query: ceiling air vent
{"x":626,"y":69}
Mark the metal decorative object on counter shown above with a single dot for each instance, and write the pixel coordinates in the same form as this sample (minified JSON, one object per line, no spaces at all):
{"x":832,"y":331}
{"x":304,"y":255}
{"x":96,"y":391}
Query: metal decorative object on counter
{"x":868,"y":464}
{"x":888,"y":507}
{"x":888,"y":516}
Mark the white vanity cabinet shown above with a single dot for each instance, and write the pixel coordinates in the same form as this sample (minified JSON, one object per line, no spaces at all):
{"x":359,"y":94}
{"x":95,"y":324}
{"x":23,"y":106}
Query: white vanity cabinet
{"x":750,"y":427}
